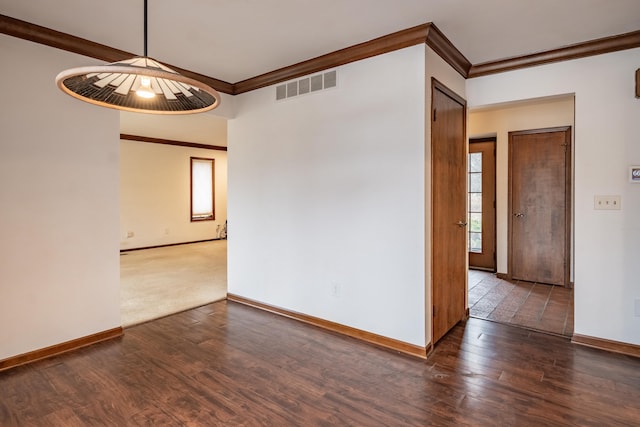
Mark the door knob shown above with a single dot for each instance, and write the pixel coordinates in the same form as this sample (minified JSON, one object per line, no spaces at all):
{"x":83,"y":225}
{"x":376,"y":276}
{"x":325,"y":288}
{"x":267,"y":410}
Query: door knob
{"x":462,"y":223}
{"x":519,"y":215}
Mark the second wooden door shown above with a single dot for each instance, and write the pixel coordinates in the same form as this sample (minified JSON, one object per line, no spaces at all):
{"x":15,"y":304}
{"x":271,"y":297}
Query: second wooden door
{"x":539,"y":220}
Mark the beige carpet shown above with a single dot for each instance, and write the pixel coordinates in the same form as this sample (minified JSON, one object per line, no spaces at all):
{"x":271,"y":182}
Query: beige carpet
{"x":162,"y":281}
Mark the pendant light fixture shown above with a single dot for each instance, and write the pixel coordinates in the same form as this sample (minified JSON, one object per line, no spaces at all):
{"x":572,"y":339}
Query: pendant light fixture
{"x":140,"y":84}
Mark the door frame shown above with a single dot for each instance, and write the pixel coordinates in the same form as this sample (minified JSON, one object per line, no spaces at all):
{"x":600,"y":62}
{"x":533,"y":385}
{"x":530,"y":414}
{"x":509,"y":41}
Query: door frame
{"x":568,"y":198}
{"x":494,"y":141}
{"x":437,"y":85}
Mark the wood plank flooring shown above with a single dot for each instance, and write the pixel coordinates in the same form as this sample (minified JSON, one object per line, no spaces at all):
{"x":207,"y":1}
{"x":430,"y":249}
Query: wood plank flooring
{"x":531,"y":305}
{"x":228,"y":364}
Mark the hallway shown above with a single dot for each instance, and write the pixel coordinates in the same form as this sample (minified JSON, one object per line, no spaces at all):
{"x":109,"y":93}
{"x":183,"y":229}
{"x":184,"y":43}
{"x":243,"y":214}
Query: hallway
{"x":535,"y":306}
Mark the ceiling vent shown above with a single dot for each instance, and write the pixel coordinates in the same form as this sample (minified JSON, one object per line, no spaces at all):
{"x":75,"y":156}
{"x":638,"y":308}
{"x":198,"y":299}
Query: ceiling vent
{"x":306,"y":85}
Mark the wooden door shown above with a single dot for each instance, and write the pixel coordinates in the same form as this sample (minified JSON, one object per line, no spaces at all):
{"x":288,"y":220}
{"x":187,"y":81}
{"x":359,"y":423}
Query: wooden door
{"x":539,"y":205}
{"x":482,"y":204}
{"x":449,"y":193}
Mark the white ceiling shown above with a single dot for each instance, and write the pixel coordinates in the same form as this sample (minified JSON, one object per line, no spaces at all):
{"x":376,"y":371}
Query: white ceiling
{"x":233,"y":40}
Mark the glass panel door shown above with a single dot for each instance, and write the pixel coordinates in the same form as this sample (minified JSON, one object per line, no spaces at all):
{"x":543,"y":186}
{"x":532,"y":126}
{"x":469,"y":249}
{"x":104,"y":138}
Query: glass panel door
{"x":482,"y":203}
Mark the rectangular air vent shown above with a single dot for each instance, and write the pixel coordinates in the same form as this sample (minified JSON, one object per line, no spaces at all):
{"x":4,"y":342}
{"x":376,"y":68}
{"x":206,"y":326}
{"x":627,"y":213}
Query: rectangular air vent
{"x":316,"y":83}
{"x":303,"y":86}
{"x":330,"y":79}
{"x":307,"y":85}
{"x":292,"y":89}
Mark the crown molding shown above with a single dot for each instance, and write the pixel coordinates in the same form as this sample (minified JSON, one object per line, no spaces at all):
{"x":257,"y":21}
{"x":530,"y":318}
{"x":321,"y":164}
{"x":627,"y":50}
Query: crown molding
{"x":426,"y":33}
{"x":59,"y":40}
{"x":441,"y":45}
{"x":398,"y":40}
{"x":46,"y":36}
{"x":163,"y":141}
{"x":574,"y":51}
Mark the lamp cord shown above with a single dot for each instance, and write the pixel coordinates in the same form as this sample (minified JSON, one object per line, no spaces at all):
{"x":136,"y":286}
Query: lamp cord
{"x":145,"y":28}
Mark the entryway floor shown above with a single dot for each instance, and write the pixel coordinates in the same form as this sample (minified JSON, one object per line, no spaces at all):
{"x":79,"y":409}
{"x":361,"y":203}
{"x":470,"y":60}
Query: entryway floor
{"x":536,"y":306}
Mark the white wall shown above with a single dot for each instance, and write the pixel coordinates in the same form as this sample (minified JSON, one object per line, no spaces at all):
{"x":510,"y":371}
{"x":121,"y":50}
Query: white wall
{"x":59,"y":263}
{"x":498,"y":122}
{"x":607,"y":126}
{"x":327,"y":201}
{"x":155,"y":194}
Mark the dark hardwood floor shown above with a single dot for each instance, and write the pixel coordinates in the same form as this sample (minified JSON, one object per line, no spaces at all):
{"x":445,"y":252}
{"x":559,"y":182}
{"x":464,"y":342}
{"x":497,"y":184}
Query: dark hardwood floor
{"x":228,"y":364}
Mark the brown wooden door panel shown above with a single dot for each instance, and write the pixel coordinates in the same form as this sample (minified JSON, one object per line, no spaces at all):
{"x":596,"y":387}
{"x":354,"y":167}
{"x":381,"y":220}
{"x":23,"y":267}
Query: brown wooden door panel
{"x":539,"y":205}
{"x":449,"y":175}
{"x":485,"y":258}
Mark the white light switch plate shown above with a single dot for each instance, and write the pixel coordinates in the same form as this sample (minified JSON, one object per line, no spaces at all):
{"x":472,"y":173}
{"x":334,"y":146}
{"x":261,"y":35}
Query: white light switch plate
{"x":609,"y":203}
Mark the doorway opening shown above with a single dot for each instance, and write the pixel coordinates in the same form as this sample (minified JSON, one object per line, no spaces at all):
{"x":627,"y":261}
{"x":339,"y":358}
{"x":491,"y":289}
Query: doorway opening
{"x":173,"y":254}
{"x":521,"y":300}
